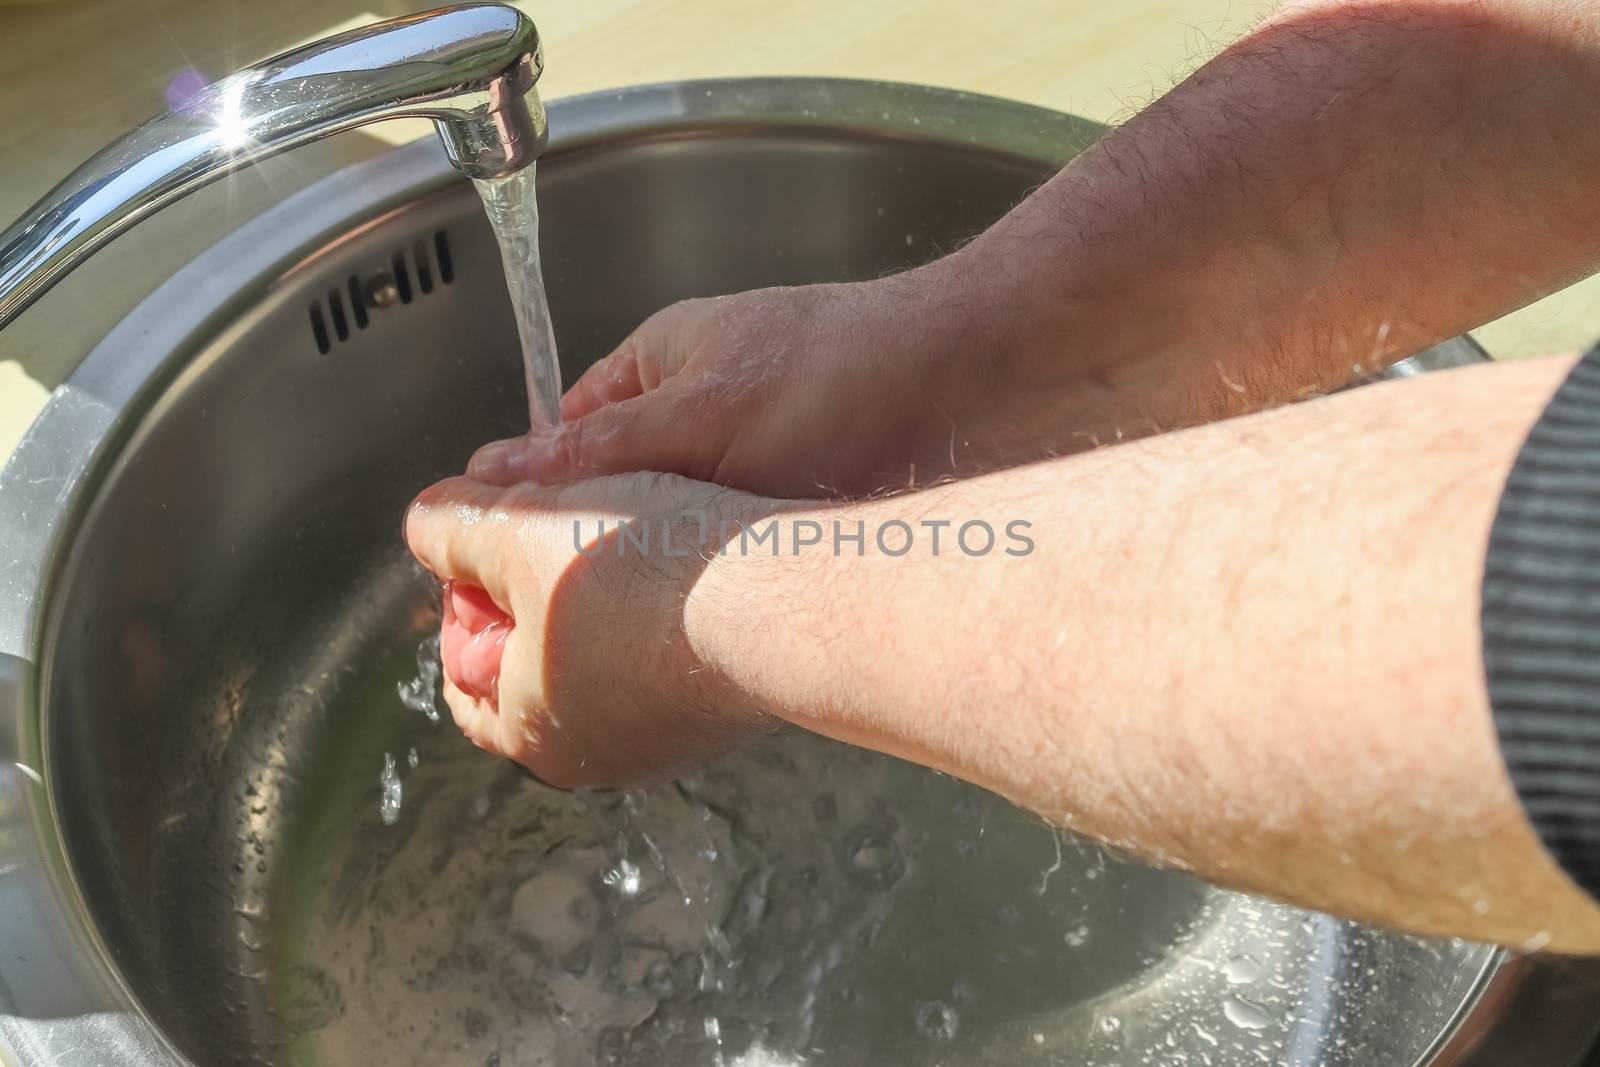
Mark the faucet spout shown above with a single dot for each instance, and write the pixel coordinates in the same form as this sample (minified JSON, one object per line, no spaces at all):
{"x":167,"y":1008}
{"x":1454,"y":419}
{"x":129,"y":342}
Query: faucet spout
{"x":472,"y":69}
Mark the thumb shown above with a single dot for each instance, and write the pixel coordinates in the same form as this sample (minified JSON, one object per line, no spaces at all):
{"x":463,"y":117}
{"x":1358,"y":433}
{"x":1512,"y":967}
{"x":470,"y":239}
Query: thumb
{"x":652,"y":432}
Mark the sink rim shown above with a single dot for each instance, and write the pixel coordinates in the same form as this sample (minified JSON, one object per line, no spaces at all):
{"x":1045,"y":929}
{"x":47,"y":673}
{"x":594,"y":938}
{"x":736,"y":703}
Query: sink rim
{"x":53,"y":475}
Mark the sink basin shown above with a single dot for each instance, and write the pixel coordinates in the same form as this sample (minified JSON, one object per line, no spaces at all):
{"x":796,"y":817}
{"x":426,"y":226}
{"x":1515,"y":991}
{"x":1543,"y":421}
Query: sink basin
{"x":210,"y":610}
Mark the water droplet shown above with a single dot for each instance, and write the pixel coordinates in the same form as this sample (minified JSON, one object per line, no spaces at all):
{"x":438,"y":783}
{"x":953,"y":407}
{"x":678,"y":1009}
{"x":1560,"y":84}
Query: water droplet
{"x":1241,"y":970}
{"x":937,"y":1020}
{"x":872,"y":859}
{"x":1077,"y":937}
{"x":389,"y":801}
{"x":1110,"y":1024}
{"x":411,"y":757}
{"x":1245,"y":1015}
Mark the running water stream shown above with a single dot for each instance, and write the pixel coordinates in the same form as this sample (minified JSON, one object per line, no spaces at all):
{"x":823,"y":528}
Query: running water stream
{"x":513,"y":212}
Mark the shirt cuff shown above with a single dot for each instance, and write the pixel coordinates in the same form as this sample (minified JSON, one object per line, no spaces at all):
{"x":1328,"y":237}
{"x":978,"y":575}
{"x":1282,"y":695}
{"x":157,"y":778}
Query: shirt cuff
{"x":1541,"y":624}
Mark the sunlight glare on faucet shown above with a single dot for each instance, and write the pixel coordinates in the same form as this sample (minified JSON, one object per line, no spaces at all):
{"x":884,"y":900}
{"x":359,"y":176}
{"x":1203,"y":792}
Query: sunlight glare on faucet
{"x":232,"y":124}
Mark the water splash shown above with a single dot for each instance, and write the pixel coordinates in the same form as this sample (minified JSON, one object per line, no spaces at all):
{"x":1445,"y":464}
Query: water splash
{"x":420,"y":692}
{"x":389,"y":798}
{"x":624,"y":878}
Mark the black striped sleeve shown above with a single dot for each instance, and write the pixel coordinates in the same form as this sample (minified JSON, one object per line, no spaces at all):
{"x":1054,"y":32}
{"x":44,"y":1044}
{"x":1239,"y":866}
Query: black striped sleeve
{"x":1541,"y":624}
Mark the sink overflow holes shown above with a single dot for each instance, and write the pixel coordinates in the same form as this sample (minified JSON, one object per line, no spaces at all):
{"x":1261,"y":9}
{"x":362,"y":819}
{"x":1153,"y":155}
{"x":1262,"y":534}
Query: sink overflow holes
{"x":412,"y":272}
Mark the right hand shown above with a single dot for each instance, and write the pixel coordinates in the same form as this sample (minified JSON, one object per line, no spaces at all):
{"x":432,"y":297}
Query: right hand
{"x":569,"y":651}
{"x":811,"y":391}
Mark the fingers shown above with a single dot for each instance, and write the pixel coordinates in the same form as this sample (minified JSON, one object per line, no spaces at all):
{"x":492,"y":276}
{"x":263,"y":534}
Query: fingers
{"x":523,"y":730}
{"x":653,"y":431}
{"x":472,"y":641}
{"x":472,"y":536}
{"x":610,"y":381}
{"x":650,"y":355}
{"x":475,"y":717}
{"x":475,"y":609}
{"x":625,"y":413}
{"x":460,"y":530}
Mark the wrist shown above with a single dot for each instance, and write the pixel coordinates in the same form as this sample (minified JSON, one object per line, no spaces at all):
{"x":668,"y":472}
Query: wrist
{"x":749,"y":615}
{"x":1117,"y":341}
{"x":788,"y":630}
{"x":979,"y":321}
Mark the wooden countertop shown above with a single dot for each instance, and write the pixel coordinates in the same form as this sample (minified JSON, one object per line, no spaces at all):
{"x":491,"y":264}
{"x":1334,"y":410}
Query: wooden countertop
{"x":76,"y":73}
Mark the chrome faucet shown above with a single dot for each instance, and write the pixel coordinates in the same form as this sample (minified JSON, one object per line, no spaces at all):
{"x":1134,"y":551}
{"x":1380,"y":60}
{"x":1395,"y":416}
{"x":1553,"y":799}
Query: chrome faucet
{"x":472,"y":69}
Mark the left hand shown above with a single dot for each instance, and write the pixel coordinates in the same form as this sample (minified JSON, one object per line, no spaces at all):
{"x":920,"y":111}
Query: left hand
{"x":568,"y":654}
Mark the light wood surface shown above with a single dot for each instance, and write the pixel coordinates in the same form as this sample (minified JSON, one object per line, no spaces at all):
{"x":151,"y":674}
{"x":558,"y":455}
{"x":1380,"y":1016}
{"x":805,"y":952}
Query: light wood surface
{"x":76,"y":73}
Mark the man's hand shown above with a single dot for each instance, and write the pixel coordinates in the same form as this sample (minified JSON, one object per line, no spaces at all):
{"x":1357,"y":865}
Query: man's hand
{"x":1349,"y":183}
{"x":821,"y":390}
{"x":845,"y":390}
{"x":564,"y":647}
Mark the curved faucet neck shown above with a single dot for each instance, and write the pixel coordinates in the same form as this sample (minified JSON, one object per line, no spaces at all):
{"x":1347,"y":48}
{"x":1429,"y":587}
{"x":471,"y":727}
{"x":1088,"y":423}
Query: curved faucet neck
{"x":472,"y":69}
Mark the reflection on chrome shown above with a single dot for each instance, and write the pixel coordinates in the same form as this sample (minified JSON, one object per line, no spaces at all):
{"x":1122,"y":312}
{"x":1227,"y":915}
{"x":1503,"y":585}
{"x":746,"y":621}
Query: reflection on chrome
{"x":232,"y":123}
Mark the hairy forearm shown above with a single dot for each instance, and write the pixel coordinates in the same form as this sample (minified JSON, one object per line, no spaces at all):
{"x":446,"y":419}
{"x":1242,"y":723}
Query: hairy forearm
{"x":1350,"y":182}
{"x":1250,"y":649}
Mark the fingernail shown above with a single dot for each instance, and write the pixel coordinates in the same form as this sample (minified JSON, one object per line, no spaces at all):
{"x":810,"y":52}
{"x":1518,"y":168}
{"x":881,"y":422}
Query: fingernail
{"x":492,"y":462}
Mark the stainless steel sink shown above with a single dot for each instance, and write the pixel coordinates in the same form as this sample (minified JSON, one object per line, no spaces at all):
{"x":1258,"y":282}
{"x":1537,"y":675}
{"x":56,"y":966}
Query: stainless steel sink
{"x":208,"y":610}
